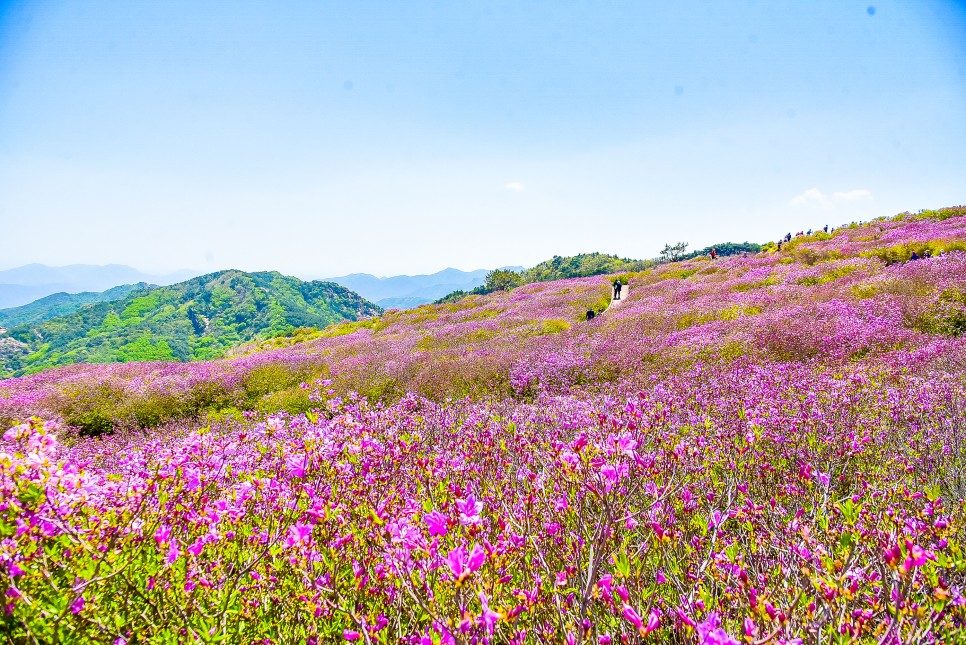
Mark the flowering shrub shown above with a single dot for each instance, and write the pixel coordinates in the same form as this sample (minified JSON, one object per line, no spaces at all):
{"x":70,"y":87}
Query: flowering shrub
{"x":754,"y":504}
{"x":753,"y":450}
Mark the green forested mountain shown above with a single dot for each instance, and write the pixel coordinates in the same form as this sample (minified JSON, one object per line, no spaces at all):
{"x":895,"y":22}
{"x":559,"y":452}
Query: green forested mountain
{"x":196,"y":319}
{"x":61,"y":304}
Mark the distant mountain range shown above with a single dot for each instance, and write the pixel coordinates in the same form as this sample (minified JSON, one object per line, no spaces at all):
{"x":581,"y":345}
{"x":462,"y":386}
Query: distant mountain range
{"x":195,"y":319}
{"x":405,"y":291}
{"x":62,"y":304}
{"x":25,"y":284}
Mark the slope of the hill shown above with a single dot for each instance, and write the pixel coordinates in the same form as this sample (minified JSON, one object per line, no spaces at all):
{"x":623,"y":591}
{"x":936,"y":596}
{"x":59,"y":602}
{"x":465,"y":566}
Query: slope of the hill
{"x":196,"y":319}
{"x":579,"y":266}
{"x":62,"y":304}
{"x":761,"y":449}
{"x":824,"y":299}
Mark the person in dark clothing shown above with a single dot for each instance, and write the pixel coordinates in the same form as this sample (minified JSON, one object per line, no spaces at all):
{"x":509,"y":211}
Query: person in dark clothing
{"x":617,"y":289}
{"x":590,"y":314}
{"x":779,"y":245}
{"x":914,"y":256}
{"x":714,"y":254}
{"x":825,"y":228}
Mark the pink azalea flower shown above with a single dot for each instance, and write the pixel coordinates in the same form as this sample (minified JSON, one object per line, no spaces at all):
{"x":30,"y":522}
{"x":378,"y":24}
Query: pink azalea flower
{"x":351,"y":635}
{"x":173,"y":552}
{"x":605,"y":583}
{"x":470,"y":510}
{"x":195,"y":548}
{"x":298,"y":533}
{"x":633,"y":617}
{"x":610,"y":475}
{"x":295,"y":465}
{"x":917,"y":556}
{"x":162,"y":535}
{"x":436,"y":522}
{"x":488,"y":618}
{"x":462,"y":564}
{"x":710,"y":632}
{"x":477,"y":556}
{"x":622,"y":592}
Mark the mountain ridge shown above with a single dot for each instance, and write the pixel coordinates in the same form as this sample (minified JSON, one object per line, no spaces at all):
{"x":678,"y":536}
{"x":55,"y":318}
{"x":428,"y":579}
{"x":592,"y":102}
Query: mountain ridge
{"x":28,"y":283}
{"x":194,"y":319}
{"x":61,"y":304}
{"x":412,"y":290}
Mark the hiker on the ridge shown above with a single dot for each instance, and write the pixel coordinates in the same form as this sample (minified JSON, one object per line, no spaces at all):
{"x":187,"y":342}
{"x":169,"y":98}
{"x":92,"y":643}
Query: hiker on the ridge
{"x":714,"y":254}
{"x":914,"y":256}
{"x":617,"y":289}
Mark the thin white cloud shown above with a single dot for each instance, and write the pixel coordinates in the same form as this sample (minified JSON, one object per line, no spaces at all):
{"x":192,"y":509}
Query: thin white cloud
{"x":813,"y":196}
{"x":857,"y":195}
{"x":810,"y":196}
{"x":515,"y":186}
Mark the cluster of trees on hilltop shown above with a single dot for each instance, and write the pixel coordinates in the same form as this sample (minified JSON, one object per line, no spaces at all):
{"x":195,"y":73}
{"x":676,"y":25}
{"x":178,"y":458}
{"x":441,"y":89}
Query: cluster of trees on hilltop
{"x":556,"y":268}
{"x":196,"y":319}
{"x":726,"y":248}
{"x":587,"y":264}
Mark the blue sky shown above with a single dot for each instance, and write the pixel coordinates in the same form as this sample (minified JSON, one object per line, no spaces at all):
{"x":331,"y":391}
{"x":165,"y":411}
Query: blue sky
{"x":322,"y":138}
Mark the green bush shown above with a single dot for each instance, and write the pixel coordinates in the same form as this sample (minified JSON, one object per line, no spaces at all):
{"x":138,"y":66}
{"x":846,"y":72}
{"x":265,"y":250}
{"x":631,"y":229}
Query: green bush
{"x":902,"y":252}
{"x":294,"y":400}
{"x":94,"y":410}
{"x":269,"y":378}
{"x":554,"y":326}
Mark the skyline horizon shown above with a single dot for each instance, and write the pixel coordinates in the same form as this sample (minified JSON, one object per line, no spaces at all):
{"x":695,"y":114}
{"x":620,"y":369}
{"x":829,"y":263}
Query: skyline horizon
{"x":177,"y":270}
{"x":318,"y":276}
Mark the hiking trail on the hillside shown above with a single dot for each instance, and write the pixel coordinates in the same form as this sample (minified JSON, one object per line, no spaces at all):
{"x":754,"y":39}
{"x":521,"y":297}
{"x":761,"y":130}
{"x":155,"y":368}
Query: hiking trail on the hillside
{"x":625,"y":291}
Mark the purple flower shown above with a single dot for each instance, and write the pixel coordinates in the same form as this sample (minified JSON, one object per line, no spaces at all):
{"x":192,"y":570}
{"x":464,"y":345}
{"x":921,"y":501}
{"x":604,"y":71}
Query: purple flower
{"x":462,"y":564}
{"x":633,"y":618}
{"x":488,"y":618}
{"x":470,"y":509}
{"x":436,"y":522}
{"x":173,"y":553}
{"x":710,"y":632}
{"x":299,"y":533}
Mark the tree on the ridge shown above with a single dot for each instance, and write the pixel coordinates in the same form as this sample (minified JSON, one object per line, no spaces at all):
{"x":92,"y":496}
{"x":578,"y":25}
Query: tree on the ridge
{"x":502,"y":280}
{"x":675,"y":252}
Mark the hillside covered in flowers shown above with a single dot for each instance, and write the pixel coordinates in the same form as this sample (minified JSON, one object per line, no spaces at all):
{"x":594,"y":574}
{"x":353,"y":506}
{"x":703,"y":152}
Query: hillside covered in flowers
{"x":768,"y":448}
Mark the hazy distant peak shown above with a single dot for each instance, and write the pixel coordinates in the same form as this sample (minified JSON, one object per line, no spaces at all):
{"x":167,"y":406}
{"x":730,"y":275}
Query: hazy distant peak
{"x":30,"y":282}
{"x":411,"y":290}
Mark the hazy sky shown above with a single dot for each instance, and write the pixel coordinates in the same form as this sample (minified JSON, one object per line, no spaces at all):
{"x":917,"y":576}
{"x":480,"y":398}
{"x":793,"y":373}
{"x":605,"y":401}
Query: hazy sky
{"x":322,"y":138}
